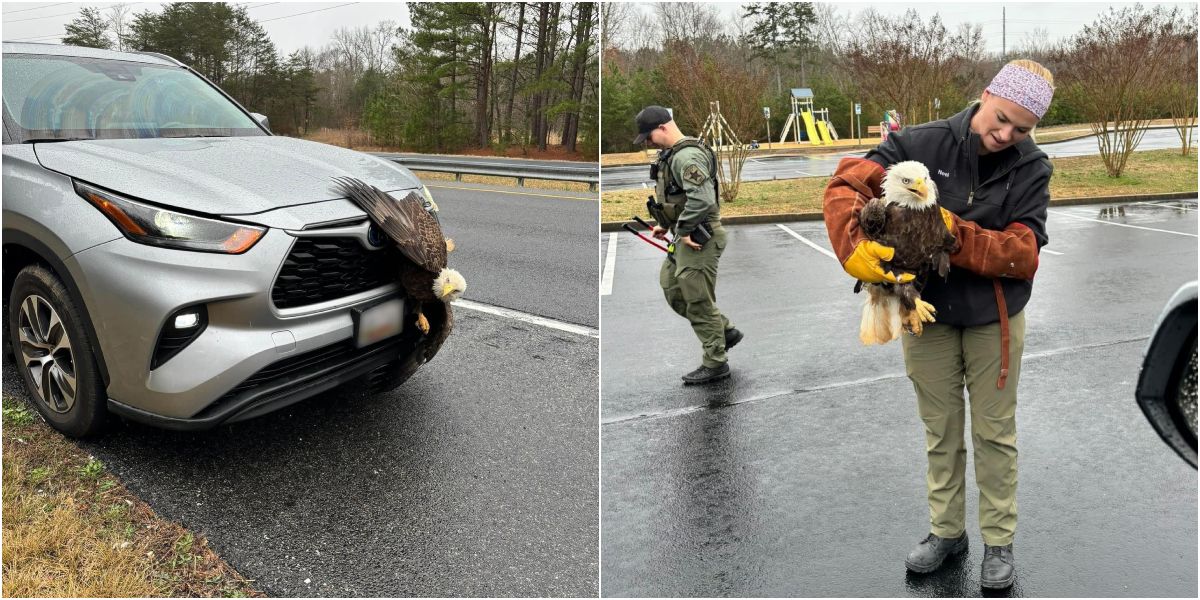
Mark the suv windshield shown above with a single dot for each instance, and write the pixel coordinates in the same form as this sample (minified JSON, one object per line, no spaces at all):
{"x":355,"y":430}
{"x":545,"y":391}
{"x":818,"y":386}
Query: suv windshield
{"x":49,"y":98}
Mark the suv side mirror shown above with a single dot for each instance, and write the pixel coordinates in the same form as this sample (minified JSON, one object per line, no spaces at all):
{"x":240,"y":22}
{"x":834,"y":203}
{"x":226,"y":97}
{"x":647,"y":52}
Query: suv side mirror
{"x":1166,"y":389}
{"x":262,"y":120}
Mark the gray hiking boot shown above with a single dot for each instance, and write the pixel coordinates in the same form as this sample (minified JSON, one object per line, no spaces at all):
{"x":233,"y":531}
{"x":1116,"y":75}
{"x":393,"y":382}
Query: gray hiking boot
{"x":707,"y":374}
{"x":999,"y":569}
{"x":932,"y":551}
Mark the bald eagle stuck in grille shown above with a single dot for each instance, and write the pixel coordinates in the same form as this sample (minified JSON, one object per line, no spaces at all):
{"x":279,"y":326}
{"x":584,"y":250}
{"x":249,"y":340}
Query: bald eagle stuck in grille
{"x":417,"y":234}
{"x":908,"y":219}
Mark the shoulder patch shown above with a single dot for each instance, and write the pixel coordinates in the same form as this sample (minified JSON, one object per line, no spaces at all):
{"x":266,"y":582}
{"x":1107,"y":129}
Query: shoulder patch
{"x":693,"y":175}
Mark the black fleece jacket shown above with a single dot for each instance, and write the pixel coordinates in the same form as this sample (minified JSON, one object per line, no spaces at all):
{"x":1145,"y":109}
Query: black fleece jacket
{"x":1018,"y":192}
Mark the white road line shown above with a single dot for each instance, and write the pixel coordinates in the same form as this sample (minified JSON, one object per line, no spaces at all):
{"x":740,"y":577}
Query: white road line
{"x":801,"y":238}
{"x":1049,"y":251}
{"x":508,"y":313}
{"x":610,"y":265}
{"x":1067,"y":214}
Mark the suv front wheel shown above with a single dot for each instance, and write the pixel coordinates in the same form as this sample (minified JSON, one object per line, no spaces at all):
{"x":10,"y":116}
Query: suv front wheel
{"x":54,"y":353}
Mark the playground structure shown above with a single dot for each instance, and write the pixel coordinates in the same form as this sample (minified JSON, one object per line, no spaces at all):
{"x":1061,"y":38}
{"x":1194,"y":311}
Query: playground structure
{"x":716,"y":131}
{"x":818,"y":128}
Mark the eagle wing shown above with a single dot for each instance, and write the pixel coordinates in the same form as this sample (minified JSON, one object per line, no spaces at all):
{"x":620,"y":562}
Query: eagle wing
{"x":415,"y":231}
{"x":873,"y":219}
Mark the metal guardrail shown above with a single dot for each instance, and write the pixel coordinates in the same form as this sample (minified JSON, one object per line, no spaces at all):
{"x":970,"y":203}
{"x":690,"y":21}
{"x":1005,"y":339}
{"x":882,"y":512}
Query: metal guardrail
{"x":586,"y":173}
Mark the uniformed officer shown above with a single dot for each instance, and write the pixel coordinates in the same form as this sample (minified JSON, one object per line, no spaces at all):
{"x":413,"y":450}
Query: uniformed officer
{"x":687,"y":205}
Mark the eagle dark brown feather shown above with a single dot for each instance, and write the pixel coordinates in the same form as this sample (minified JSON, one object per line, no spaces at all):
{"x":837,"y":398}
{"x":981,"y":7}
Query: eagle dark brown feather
{"x":415,"y":231}
{"x":919,"y":236}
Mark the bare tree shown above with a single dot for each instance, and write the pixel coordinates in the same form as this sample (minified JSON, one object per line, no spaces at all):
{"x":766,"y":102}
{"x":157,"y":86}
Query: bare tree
{"x":1116,"y":68}
{"x":694,"y":81}
{"x":687,"y":21}
{"x":118,"y":23}
{"x":905,"y":63}
{"x":616,"y":19}
{"x":1180,"y":93}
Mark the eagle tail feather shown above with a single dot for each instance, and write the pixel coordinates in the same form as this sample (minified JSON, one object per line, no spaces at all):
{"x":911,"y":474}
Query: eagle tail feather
{"x":881,"y":320}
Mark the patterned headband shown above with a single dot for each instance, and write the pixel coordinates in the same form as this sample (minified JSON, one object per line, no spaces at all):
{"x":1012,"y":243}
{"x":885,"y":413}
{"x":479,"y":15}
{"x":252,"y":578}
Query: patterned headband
{"x":1024,"y":88}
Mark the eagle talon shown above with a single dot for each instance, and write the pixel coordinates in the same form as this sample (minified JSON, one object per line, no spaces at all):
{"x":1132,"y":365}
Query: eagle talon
{"x":423,"y":323}
{"x":925,"y":311}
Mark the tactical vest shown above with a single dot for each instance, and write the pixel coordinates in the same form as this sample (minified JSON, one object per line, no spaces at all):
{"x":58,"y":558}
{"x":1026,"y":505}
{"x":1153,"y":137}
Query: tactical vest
{"x":668,"y":191}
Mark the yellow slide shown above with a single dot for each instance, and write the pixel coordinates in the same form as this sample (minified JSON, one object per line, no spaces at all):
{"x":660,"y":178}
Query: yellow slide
{"x":811,"y":128}
{"x":824,"y":130}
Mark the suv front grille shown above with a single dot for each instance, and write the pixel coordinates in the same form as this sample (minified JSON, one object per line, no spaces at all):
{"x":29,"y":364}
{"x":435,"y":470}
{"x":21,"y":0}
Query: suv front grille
{"x":320,"y":269}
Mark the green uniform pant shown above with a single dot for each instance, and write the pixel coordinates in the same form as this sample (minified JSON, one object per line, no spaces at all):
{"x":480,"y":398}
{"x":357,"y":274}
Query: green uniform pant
{"x":690,"y":285}
{"x":940,"y":363}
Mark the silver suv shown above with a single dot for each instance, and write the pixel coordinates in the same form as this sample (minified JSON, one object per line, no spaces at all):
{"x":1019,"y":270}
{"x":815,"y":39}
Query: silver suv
{"x":166,"y":258}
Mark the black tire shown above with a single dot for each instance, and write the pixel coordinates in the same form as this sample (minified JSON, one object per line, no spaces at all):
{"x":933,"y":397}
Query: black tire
{"x":85,"y":414}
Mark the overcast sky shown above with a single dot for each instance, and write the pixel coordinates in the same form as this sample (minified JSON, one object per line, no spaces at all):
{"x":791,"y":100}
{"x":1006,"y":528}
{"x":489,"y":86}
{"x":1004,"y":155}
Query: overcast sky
{"x":285,"y":22}
{"x":1058,"y":19}
{"x":291,"y":30}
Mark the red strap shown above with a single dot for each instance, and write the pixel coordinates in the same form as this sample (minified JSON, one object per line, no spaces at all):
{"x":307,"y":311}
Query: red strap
{"x":1000,"y":304}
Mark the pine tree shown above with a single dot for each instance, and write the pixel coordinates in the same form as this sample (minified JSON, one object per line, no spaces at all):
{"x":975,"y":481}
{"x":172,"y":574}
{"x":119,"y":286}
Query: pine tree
{"x":89,"y":29}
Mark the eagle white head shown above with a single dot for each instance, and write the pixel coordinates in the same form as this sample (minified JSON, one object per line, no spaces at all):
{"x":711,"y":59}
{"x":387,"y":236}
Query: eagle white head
{"x":908,"y":184}
{"x":449,"y":285}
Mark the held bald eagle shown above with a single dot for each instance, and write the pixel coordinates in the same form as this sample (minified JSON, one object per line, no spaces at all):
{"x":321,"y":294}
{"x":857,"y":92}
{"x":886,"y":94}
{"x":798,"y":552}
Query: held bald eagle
{"x":424,"y":275}
{"x":908,"y":219}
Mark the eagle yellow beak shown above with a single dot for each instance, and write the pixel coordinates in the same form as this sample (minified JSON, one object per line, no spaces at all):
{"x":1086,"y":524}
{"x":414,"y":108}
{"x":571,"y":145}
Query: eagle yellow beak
{"x":921,"y":189}
{"x":447,"y":289}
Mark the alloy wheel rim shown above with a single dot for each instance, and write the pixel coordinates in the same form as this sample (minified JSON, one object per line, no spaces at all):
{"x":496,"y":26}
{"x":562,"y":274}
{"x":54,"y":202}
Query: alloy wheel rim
{"x":47,"y":354}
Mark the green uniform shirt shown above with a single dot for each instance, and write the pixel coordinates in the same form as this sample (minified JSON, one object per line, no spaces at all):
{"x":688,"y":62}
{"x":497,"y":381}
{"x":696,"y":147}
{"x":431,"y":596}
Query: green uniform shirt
{"x":690,"y":168}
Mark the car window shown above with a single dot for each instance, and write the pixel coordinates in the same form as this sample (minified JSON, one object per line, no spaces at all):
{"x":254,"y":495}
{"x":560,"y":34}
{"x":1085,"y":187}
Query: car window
{"x":67,"y":97}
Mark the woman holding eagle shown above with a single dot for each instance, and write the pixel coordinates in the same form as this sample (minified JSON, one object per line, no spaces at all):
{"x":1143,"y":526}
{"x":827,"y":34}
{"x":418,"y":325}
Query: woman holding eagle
{"x":992,"y":183}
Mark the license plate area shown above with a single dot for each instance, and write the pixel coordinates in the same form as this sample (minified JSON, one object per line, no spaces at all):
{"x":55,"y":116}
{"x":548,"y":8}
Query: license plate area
{"x":377,"y":322}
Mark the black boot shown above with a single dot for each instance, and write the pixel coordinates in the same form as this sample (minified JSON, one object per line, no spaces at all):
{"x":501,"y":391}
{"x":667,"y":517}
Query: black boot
{"x":707,"y":374}
{"x":732,"y":337}
{"x":929,"y":554}
{"x":999,"y":568}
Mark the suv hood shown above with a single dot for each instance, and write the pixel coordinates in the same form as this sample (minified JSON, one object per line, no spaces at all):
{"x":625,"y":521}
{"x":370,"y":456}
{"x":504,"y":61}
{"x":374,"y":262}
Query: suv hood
{"x":221,"y":176}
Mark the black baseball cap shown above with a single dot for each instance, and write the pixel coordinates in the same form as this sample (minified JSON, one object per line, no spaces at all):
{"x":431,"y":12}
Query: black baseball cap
{"x":649,"y":119}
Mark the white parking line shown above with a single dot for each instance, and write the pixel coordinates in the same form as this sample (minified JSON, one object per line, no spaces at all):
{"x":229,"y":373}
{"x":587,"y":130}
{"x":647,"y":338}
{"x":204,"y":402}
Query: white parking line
{"x":1067,"y":214}
{"x":509,"y":313}
{"x":801,"y":238}
{"x":610,"y":266}
{"x":1049,"y":251}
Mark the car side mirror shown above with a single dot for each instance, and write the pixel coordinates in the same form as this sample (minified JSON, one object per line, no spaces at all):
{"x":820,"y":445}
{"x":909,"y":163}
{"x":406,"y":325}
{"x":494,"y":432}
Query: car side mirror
{"x":1166,"y":389}
{"x":262,"y":120}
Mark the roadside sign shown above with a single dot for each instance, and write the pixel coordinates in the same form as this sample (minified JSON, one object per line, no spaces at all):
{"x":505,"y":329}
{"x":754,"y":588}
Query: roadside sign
{"x":937,"y":103}
{"x":766,"y":112}
{"x":857,"y":108}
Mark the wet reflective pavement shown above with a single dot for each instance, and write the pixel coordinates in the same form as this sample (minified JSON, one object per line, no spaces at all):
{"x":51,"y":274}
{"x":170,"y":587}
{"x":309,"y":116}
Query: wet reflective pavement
{"x":803,"y":474}
{"x":823,"y":165}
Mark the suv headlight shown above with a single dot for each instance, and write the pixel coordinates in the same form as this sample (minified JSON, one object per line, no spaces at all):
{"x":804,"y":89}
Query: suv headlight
{"x":156,"y":226}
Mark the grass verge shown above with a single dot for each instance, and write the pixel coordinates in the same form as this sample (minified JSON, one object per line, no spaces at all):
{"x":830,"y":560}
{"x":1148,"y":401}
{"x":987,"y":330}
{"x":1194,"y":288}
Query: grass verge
{"x":72,"y":530}
{"x":1150,"y":172}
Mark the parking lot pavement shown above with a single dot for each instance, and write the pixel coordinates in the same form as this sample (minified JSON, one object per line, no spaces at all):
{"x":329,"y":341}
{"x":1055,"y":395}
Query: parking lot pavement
{"x":803,"y":474}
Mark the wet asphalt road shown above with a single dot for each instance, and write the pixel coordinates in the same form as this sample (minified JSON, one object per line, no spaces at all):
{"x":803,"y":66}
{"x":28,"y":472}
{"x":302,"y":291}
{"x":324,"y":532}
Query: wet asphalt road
{"x":803,"y":475}
{"x":478,"y":477}
{"x":525,"y":249}
{"x":790,"y":167}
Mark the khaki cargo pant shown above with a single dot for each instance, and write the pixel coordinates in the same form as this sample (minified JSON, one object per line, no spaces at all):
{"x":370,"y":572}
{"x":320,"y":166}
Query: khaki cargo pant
{"x":690,"y":286}
{"x":940,"y":363}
